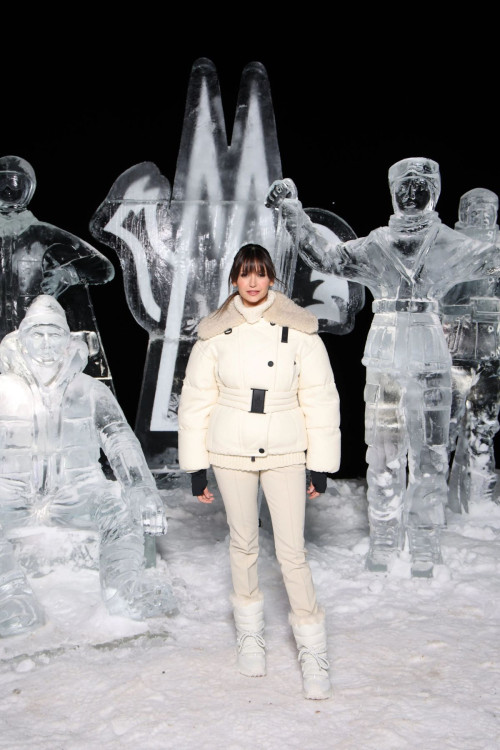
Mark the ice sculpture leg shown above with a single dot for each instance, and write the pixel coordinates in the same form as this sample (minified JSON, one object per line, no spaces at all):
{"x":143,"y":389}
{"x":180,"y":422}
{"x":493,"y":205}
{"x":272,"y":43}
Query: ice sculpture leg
{"x":127,"y":590}
{"x":462,"y":379}
{"x":428,"y":399}
{"x":385,"y":435}
{"x":19,"y":610}
{"x":473,"y":475}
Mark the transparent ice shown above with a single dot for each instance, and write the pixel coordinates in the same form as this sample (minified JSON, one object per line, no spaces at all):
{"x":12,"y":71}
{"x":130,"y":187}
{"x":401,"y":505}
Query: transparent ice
{"x":54,"y":420}
{"x":334,"y":300}
{"x":176,"y":246}
{"x":408,"y":267}
{"x":471,"y":322}
{"x":39,"y":258}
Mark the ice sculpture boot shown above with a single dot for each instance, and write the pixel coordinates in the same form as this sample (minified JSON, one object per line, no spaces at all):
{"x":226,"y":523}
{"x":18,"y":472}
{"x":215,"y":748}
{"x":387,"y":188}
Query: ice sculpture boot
{"x":250,"y":643}
{"x":425,"y":550}
{"x":386,"y":540}
{"x":19,"y":610}
{"x":469,"y":487}
{"x":310,"y":636}
{"x":128,"y":589}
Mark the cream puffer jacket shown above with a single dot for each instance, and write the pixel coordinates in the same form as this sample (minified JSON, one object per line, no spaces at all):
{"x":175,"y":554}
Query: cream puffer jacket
{"x":259,"y":388}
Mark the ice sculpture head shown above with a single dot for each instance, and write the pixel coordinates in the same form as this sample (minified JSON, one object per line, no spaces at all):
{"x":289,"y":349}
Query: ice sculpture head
{"x":415,"y":185}
{"x":44,"y":331}
{"x":17,"y":184}
{"x":478,"y":209}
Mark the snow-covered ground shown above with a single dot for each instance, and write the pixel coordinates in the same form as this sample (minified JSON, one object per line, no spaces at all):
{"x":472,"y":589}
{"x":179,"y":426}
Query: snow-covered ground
{"x":415,"y":663}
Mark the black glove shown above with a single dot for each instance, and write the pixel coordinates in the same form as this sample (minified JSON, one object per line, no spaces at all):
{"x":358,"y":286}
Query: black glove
{"x":318,"y":478}
{"x":198,"y":482}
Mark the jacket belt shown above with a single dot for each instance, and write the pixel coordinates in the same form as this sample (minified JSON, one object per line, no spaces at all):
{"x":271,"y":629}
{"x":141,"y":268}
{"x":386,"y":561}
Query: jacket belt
{"x":404,"y":305}
{"x":244,"y":399}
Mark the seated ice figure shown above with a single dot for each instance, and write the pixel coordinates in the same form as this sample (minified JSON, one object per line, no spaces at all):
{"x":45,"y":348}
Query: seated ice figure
{"x":408,"y":266}
{"x":53,"y":422}
{"x":471,"y":322}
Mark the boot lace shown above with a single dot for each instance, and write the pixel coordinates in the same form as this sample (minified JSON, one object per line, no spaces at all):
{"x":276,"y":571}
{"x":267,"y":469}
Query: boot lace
{"x":318,"y":660}
{"x":256,"y":636}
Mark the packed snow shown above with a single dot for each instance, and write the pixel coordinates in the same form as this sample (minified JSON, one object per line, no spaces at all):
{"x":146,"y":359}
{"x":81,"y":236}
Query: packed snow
{"x":414,"y":662}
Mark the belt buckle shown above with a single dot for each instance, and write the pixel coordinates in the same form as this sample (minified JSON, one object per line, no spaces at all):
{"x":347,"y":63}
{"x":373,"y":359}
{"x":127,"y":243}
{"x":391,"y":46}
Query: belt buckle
{"x":258,"y":400}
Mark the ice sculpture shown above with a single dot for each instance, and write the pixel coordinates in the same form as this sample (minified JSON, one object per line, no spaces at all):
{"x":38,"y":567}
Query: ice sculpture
{"x":53,"y":422}
{"x":471,"y":322}
{"x":176,"y":246}
{"x":39,"y":258}
{"x":334,"y":300}
{"x":408,"y":266}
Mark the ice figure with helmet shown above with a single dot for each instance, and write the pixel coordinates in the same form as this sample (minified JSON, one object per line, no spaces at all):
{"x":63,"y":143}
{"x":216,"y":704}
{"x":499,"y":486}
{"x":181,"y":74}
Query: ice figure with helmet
{"x":408,"y":266}
{"x":54,"y":420}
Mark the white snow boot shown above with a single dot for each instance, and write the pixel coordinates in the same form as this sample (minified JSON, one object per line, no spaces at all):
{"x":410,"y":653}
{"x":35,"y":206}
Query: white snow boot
{"x":310,"y":636}
{"x":250,"y":644}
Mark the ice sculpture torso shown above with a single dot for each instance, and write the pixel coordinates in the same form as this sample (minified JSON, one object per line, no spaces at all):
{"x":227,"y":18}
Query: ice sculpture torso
{"x":52,"y":438}
{"x":37,"y":257}
{"x":407,"y":275}
{"x":471,"y":317}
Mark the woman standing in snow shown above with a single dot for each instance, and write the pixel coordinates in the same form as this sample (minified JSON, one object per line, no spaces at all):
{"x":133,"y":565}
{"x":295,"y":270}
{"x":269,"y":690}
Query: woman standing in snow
{"x":259,"y":391}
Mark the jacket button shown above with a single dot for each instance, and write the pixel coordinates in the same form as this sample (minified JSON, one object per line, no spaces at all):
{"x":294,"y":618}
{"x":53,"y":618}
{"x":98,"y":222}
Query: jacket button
{"x":228,"y":330}
{"x":261,"y":450}
{"x":270,"y":364}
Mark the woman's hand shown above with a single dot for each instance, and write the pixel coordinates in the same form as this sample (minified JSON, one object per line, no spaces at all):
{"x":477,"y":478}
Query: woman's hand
{"x":207,"y":496}
{"x":312,"y":492}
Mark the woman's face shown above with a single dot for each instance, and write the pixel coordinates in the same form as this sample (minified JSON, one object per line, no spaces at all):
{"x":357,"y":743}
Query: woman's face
{"x":253,"y":287}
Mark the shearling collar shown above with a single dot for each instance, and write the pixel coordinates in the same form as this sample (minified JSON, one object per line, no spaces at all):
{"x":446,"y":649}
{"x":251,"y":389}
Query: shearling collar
{"x":283,"y":311}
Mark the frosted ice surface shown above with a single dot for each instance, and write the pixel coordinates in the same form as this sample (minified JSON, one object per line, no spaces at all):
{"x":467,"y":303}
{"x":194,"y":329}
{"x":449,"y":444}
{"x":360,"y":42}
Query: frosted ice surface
{"x":176,"y":247}
{"x":333,"y":299}
{"x":40,"y":258}
{"x":408,"y":266}
{"x":54,"y":420}
{"x":471,"y":322}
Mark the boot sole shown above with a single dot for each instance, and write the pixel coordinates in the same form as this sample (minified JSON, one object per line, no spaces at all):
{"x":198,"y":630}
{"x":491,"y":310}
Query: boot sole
{"x":316,"y":696}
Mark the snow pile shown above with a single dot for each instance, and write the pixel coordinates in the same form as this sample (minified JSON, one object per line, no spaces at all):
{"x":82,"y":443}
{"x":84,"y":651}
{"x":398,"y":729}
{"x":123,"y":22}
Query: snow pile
{"x":414,"y":662}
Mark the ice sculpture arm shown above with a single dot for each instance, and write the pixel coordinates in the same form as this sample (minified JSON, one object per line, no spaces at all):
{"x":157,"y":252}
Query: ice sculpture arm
{"x":480,"y":261}
{"x":314,"y":248}
{"x":126,"y":458}
{"x":65,"y":250}
{"x":199,"y":395}
{"x":319,"y":401}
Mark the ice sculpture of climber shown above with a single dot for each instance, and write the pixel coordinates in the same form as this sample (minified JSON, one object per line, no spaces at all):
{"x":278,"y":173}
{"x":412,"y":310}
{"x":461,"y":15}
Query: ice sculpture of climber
{"x":408,"y":266}
{"x":471,"y":322}
{"x":37,"y":258}
{"x":53,"y":422}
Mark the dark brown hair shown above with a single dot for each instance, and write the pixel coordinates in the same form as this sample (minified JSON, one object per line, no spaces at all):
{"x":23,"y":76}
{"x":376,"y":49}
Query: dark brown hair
{"x":249,"y":259}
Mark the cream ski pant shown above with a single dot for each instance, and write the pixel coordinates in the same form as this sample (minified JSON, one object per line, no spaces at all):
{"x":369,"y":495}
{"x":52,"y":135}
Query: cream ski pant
{"x":285,"y":493}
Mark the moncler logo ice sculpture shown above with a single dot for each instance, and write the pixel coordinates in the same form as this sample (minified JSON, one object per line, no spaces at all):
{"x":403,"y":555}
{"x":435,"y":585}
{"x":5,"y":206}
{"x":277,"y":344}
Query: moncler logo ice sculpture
{"x":176,"y":246}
